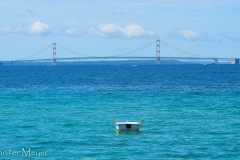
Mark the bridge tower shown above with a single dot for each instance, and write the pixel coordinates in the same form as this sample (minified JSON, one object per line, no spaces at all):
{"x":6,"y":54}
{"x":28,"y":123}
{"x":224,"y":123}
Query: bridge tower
{"x":215,"y":61}
{"x":158,"y":52}
{"x":54,"y":55}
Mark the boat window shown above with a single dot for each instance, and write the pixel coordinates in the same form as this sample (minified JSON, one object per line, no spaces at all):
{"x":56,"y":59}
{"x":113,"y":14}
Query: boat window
{"x":128,"y":126}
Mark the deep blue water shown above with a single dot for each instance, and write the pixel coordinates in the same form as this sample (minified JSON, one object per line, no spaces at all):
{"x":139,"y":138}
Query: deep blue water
{"x":66,"y":112}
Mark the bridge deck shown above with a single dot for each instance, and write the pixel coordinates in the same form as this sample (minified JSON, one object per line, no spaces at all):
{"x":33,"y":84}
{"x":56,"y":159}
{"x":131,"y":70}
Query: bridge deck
{"x":75,"y":59}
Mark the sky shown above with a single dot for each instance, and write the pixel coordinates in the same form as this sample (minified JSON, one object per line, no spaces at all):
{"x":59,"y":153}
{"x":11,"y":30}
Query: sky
{"x":185,"y":28}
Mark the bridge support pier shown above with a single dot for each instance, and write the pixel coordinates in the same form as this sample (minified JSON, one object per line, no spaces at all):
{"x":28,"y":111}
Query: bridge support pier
{"x":234,"y":61}
{"x":54,"y":55}
{"x":215,"y":61}
{"x":158,"y":52}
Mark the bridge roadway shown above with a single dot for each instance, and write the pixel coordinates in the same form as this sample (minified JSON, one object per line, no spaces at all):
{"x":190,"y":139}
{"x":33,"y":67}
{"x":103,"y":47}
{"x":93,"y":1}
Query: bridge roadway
{"x":76,"y":59}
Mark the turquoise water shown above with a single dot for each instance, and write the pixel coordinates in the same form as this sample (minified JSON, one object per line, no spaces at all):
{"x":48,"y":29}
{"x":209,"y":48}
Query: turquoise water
{"x":190,"y":112}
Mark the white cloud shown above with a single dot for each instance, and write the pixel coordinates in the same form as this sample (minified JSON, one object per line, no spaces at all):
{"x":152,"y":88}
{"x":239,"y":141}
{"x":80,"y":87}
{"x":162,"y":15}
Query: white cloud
{"x":218,"y":39}
{"x":38,"y":28}
{"x":71,"y":31}
{"x":111,"y":29}
{"x":188,"y":34}
{"x":232,"y":37}
{"x":128,"y":31}
{"x":136,"y":31}
{"x":20,"y":29}
{"x":93,"y":32}
{"x":5,"y":29}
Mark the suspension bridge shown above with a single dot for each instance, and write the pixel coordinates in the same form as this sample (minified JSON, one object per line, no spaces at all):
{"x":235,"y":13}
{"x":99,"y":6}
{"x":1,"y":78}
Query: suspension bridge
{"x":83,"y":58}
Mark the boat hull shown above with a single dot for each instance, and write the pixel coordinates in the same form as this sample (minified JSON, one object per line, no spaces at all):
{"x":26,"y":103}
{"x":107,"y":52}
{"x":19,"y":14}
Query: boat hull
{"x":127,"y":126}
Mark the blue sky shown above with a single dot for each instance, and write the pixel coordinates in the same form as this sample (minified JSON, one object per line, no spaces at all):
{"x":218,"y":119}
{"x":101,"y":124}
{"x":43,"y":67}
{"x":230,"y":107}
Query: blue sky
{"x":208,"y":28}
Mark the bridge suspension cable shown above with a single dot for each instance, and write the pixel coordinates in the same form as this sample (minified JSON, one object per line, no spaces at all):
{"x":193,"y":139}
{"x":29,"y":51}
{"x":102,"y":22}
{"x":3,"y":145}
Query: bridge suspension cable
{"x":34,"y":54}
{"x":145,"y":46}
{"x":180,"y":50}
{"x":135,"y":50}
{"x":119,"y":55}
{"x":64,"y":48}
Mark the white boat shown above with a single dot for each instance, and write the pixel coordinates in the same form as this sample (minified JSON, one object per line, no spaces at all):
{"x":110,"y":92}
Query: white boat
{"x":127,"y":125}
